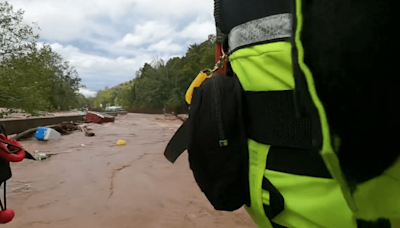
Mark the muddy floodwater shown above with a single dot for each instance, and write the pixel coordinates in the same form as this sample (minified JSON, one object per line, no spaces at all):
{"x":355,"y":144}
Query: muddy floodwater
{"x":92,"y":182}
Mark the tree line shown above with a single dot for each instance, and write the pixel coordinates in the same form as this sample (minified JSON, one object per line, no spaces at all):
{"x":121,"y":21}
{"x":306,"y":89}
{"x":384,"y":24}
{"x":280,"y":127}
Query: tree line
{"x":33,"y":77}
{"x":161,"y":84}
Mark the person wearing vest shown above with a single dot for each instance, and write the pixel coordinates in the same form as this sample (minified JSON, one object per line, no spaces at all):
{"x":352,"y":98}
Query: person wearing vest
{"x":294,"y":174}
{"x":290,"y":184}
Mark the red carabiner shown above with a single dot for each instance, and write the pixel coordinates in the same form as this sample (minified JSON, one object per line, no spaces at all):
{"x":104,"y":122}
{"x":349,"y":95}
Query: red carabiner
{"x":10,"y":149}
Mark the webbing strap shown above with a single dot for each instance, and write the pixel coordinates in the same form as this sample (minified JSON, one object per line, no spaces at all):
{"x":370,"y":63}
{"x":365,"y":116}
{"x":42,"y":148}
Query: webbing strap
{"x":275,"y":225}
{"x":380,"y":223}
{"x":293,"y":161}
{"x":277,"y":202}
{"x":304,"y":162}
{"x":272,"y":120}
{"x":260,"y":31}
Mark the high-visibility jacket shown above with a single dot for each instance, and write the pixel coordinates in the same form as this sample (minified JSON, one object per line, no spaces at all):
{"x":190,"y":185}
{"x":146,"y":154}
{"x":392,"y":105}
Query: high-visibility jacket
{"x":291,"y":184}
{"x":343,"y":74}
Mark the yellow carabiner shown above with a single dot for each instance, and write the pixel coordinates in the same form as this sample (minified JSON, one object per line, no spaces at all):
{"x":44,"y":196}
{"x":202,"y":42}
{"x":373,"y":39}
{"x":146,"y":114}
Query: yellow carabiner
{"x":201,"y":77}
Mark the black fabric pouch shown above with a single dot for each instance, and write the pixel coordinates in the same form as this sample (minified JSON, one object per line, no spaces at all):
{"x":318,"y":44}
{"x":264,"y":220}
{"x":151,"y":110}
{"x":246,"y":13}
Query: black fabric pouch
{"x":217,"y":142}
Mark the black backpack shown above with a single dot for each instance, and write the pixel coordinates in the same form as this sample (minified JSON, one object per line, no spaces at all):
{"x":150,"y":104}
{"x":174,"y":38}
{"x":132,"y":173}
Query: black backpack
{"x":215,"y":138}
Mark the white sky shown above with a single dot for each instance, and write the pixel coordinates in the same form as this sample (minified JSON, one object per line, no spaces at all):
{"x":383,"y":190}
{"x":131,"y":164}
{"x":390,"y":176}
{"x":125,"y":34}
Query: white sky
{"x":108,"y":41}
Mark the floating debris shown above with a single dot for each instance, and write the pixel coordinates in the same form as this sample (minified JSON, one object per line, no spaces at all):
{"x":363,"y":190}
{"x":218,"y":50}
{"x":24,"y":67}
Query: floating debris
{"x":41,"y":156}
{"x":121,"y":142}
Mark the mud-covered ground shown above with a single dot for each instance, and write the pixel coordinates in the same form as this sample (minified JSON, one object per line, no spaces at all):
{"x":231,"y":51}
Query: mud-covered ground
{"x":91,"y":182}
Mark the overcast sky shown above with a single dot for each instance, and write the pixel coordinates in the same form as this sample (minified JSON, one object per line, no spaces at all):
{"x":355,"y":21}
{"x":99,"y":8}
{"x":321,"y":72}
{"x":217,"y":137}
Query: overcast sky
{"x":108,"y":41}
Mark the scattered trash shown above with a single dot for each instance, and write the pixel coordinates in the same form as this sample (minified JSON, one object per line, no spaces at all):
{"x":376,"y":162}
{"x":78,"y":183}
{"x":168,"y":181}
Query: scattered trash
{"x":86,"y":131}
{"x":41,"y":156}
{"x":121,"y":142}
{"x":45,"y":133}
{"x":64,"y":128}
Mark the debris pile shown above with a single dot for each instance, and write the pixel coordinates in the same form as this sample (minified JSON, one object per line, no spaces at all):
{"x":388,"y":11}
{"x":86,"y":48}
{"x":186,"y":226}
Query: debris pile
{"x":63,"y":128}
{"x":85,"y":129}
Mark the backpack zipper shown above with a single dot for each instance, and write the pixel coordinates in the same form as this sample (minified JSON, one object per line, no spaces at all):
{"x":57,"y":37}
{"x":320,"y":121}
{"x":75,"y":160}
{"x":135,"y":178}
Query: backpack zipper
{"x":218,"y":115}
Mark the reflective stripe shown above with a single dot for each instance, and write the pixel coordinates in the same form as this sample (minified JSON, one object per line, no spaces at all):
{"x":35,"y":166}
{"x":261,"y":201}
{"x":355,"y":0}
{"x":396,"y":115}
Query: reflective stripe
{"x":260,"y":30}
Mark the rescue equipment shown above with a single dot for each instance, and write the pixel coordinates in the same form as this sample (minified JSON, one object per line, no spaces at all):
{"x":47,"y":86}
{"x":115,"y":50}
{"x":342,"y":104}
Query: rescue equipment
{"x":216,"y":141}
{"x":201,"y":77}
{"x":287,"y":173}
{"x":216,"y":131}
{"x":6,"y":215}
{"x":10,"y":151}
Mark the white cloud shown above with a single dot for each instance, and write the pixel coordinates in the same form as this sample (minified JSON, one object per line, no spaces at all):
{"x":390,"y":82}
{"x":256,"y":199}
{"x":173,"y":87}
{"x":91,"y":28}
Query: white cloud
{"x":165,"y":46}
{"x":83,"y":61}
{"x":87,"y":92}
{"x":108,"y":41}
{"x":174,"y":8}
{"x":69,"y":20}
{"x":162,"y":37}
{"x":150,"y":31}
{"x":198,"y":29}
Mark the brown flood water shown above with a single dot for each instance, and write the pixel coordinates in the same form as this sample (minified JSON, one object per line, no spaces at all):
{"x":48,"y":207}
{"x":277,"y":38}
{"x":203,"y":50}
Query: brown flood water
{"x":91,"y":182}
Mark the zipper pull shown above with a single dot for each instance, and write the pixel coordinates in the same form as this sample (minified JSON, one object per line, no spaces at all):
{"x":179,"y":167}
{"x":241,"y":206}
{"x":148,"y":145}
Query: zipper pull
{"x":223,"y":143}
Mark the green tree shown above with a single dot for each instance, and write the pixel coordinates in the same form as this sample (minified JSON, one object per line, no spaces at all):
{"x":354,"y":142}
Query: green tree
{"x":27,"y":80}
{"x":161,"y":84}
{"x":65,"y":83}
{"x":32,"y":78}
{"x":15,"y":37}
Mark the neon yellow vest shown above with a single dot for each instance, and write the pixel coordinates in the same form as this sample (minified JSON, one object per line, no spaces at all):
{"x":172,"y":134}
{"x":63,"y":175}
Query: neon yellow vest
{"x":309,"y":201}
{"x":376,"y":198}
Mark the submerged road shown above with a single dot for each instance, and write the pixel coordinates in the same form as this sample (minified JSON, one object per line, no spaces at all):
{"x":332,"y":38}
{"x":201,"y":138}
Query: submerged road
{"x":91,"y":182}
